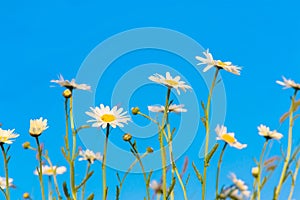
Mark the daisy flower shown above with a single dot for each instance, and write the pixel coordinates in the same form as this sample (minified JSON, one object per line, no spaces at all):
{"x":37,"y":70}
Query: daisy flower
{"x":228,"y":137}
{"x":210,"y":62}
{"x":157,"y":187}
{"x":265,"y":132}
{"x":240,"y":185}
{"x":170,"y":82}
{"x":230,"y":192}
{"x":6,"y":136}
{"x":172,"y":108}
{"x":89,"y":155}
{"x":3,"y":182}
{"x":47,"y":170}
{"x":37,"y":126}
{"x":70,"y":84}
{"x":103,"y":116}
{"x":288,"y":83}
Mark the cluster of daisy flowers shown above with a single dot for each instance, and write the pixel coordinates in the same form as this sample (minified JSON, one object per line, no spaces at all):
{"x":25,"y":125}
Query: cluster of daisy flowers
{"x":106,"y":117}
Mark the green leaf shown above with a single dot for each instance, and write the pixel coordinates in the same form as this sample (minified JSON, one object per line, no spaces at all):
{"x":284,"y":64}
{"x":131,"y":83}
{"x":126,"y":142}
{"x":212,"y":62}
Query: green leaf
{"x":118,"y":177}
{"x":199,"y":176}
{"x":212,"y":152}
{"x":91,"y":197}
{"x":171,"y":187}
{"x":66,"y":191}
{"x":117,"y":192}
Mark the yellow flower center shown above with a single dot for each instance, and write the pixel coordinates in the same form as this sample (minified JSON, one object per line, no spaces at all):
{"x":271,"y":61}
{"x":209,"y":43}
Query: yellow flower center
{"x":3,"y":139}
{"x":108,"y":118}
{"x":49,"y":171}
{"x":228,"y":138}
{"x":171,"y":82}
{"x":221,"y":64}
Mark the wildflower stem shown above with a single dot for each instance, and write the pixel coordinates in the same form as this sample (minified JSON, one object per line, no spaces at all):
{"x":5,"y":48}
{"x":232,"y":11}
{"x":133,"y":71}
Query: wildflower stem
{"x":148,"y":117}
{"x":67,"y":127}
{"x":218,"y":169}
{"x":40,"y":170}
{"x":54,"y":177}
{"x":104,"y":187}
{"x":49,"y":188}
{"x":289,"y":147}
{"x":207,"y":130}
{"x":84,"y":185}
{"x":7,"y":195}
{"x":162,"y":148}
{"x":294,"y":177}
{"x":260,"y":168}
{"x":72,"y":159}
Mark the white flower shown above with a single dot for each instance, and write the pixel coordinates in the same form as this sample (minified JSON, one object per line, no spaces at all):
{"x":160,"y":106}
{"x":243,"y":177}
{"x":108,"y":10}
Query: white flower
{"x":70,"y":84}
{"x":89,"y":155}
{"x":157,"y":187}
{"x":230,"y":192}
{"x":288,"y":83}
{"x":170,"y":82}
{"x":172,"y":108}
{"x":37,"y":126}
{"x":104,"y":116}
{"x":265,"y":132}
{"x":7,"y":135}
{"x":228,"y":137}
{"x":47,"y":170}
{"x":240,"y":185}
{"x":210,"y":62}
{"x":3,"y":182}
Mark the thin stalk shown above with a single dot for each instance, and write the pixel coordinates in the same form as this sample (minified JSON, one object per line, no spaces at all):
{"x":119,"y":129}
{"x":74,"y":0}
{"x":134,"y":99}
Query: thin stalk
{"x":289,"y":147}
{"x":67,"y":128}
{"x":207,"y":109}
{"x":40,"y":170}
{"x":49,"y":188}
{"x":7,"y":194}
{"x":260,"y":168}
{"x":219,"y":168}
{"x":84,"y":185}
{"x":294,"y":177}
{"x":104,"y":187}
{"x":162,"y":148}
{"x":54,"y":178}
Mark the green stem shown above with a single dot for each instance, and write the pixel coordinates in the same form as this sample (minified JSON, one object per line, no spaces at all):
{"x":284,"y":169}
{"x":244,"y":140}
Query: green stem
{"x":219,"y":168}
{"x":54,"y":177}
{"x":260,"y":168}
{"x":49,"y":188}
{"x":7,"y":195}
{"x":294,"y":177}
{"x":40,"y":170}
{"x":162,"y":148}
{"x":289,"y":147}
{"x":84,"y":185}
{"x":207,"y":130}
{"x":67,"y":129}
{"x":104,"y":187}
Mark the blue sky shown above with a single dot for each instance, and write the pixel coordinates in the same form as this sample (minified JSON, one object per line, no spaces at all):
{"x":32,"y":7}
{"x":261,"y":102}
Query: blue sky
{"x":40,"y":40}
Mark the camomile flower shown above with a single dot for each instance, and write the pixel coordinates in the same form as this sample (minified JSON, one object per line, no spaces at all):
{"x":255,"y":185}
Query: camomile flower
{"x":170,"y":82}
{"x":70,"y":84}
{"x":210,"y":62}
{"x":47,"y":170}
{"x":6,"y":136}
{"x":156,"y":187}
{"x":228,"y":137}
{"x":37,"y":126}
{"x":230,"y":192}
{"x":265,"y":132}
{"x":240,"y":185}
{"x":3,"y":182}
{"x":89,"y":155}
{"x":288,"y":83}
{"x":172,"y":108}
{"x":103,"y":116}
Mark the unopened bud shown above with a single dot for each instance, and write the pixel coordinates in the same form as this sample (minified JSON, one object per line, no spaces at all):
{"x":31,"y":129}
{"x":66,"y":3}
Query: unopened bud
{"x":67,"y":93}
{"x":26,"y":145}
{"x":149,"y":149}
{"x":255,"y":172}
{"x":127,"y":137}
{"x":26,"y":195}
{"x":135,"y":110}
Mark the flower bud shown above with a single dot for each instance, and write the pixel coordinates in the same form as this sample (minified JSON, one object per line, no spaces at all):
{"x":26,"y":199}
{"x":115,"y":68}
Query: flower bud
{"x":255,"y":171}
{"x":26,"y":195}
{"x":67,"y":93}
{"x":135,"y":110}
{"x":26,"y":145}
{"x":127,"y":137}
{"x":149,"y":149}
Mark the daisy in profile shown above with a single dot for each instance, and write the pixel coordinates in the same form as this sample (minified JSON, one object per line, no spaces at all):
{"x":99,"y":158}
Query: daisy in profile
{"x":156,"y":187}
{"x":172,"y":108}
{"x":266,"y":133}
{"x":103,"y":116}
{"x":170,"y":82}
{"x":228,"y":137}
{"x":89,"y":155}
{"x":240,"y":185}
{"x":37,"y":126}
{"x":70,"y":84}
{"x":3,"y":182}
{"x":210,"y":62}
{"x":6,"y":136}
{"x":288,"y":83}
{"x":49,"y":171}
